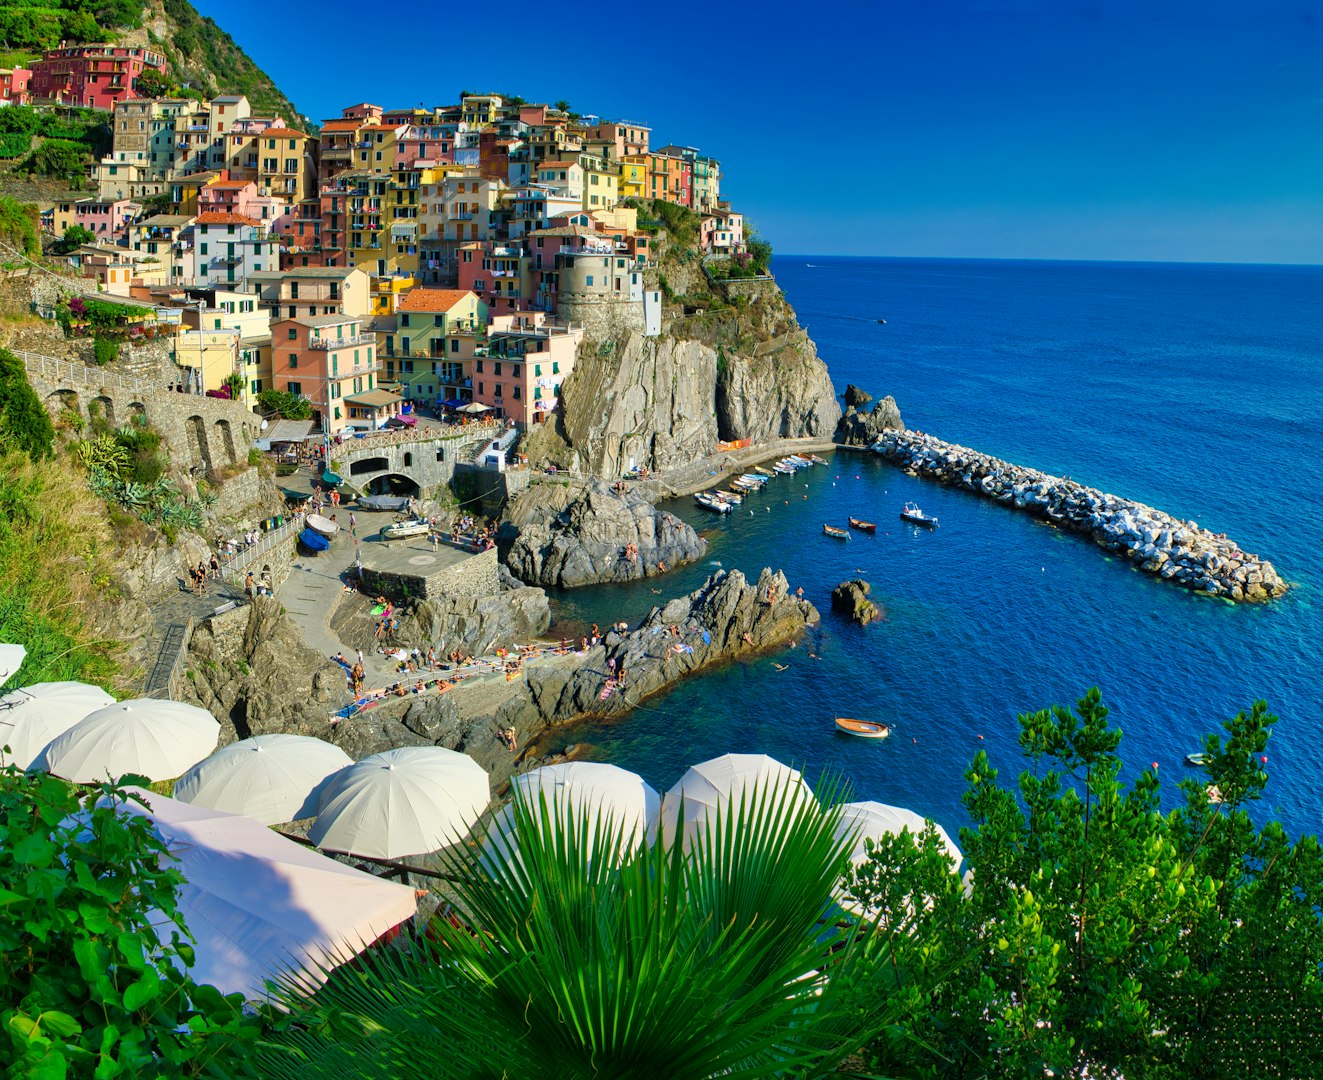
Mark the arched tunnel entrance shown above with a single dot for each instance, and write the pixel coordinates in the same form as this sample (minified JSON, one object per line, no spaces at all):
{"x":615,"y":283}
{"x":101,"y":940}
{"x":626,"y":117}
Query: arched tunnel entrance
{"x":393,"y":484}
{"x":368,"y":465}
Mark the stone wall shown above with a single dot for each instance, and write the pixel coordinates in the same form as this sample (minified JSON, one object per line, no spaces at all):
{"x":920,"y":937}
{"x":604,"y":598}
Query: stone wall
{"x":202,"y":432}
{"x":601,"y":317}
{"x":475,"y":577}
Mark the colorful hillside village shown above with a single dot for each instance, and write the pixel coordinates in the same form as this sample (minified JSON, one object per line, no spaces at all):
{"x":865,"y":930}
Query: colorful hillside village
{"x":397,"y":261}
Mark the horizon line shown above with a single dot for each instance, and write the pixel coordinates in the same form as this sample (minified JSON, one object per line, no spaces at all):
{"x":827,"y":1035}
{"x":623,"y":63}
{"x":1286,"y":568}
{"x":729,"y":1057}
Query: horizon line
{"x":1039,"y":259}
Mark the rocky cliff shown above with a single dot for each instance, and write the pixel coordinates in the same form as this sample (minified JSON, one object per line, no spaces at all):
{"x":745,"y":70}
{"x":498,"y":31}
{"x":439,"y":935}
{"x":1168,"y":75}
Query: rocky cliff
{"x":732,"y":363}
{"x":566,"y":537}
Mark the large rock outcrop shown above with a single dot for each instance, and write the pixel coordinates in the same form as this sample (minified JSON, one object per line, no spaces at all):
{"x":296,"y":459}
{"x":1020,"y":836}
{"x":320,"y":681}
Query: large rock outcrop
{"x":850,"y":598}
{"x":860,"y":428}
{"x":474,"y":625}
{"x":726,"y":616}
{"x":566,"y":537}
{"x":782,"y":391}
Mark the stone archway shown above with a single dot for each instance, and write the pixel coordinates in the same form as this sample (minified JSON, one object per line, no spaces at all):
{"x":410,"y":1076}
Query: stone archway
{"x":61,"y":400}
{"x":137,"y":409}
{"x":199,"y":452}
{"x":107,"y":407}
{"x":368,"y":465}
{"x":225,"y":440}
{"x":393,"y":484}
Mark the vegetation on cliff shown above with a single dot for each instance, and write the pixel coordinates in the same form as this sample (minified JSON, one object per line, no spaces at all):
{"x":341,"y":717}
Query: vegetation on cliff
{"x":54,"y":545}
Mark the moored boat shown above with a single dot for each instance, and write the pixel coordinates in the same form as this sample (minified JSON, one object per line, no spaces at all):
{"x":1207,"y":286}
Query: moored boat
{"x":404,"y":530}
{"x":864,"y":729}
{"x":762,"y":472}
{"x":729,"y":496}
{"x":863,"y":526}
{"x":817,"y":460}
{"x":840,"y":534}
{"x":1198,"y":759}
{"x":915,"y":516}
{"x":709,"y":503}
{"x":322,"y":525}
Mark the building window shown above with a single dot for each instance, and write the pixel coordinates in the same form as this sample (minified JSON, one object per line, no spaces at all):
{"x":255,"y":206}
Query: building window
{"x":516,"y":393}
{"x":480,"y":390}
{"x":496,"y":370}
{"x":293,"y":360}
{"x":295,"y":388}
{"x":293,"y":333}
{"x":590,"y":279}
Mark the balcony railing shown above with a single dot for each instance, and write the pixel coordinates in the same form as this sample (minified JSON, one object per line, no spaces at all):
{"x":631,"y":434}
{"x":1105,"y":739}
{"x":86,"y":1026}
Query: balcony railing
{"x":339,"y":343}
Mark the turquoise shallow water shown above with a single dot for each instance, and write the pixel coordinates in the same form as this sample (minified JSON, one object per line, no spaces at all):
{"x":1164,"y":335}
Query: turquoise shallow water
{"x":1197,"y":389}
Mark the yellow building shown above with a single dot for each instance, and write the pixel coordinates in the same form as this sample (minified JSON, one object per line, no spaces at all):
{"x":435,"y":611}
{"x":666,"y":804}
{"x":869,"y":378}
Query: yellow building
{"x":210,"y":355}
{"x":425,"y":346}
{"x":255,"y":359}
{"x":387,"y":292}
{"x":479,"y":110}
{"x":601,"y":184}
{"x":634,"y":177}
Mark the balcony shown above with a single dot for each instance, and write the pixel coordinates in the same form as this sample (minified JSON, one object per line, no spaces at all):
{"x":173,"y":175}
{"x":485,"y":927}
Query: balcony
{"x":339,"y":343}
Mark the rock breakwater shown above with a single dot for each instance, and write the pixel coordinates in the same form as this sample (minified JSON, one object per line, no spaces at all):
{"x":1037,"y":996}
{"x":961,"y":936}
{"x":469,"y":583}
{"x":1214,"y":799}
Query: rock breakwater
{"x":1158,"y":543}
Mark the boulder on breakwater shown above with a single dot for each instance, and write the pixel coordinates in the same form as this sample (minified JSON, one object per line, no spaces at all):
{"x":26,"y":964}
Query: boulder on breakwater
{"x":858,"y":427}
{"x":1174,"y":550}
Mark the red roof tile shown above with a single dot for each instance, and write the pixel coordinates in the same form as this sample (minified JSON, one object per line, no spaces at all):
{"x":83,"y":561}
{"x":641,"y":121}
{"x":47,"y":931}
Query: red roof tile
{"x":216,"y":217}
{"x":432,"y":299}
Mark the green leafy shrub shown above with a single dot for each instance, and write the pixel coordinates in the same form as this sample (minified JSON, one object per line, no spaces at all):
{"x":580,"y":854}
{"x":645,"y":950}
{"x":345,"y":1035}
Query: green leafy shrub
{"x":106,"y":351}
{"x":285,"y":404}
{"x":18,"y":223}
{"x":24,"y":422}
{"x":95,"y":949}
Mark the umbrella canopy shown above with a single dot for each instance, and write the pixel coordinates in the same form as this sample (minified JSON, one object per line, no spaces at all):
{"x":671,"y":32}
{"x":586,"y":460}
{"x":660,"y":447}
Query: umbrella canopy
{"x":587,"y":792}
{"x":261,"y":906}
{"x":707,"y":789}
{"x":871,"y":820}
{"x":155,"y":739}
{"x":475,"y":407}
{"x":270,"y":778}
{"x":31,"y":717}
{"x":401,"y":802}
{"x":11,"y":659}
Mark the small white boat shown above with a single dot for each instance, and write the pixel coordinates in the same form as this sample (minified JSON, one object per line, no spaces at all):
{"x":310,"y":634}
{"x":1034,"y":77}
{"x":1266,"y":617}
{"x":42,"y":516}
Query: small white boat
{"x":1198,"y":759}
{"x":817,"y":460}
{"x":709,"y":503}
{"x":757,"y":479}
{"x":323,"y":525}
{"x":405,"y":530}
{"x":729,"y":496}
{"x":863,"y":729}
{"x":915,"y":516}
{"x":762,"y":472}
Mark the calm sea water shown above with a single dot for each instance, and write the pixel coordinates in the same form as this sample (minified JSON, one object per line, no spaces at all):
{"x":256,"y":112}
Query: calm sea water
{"x":1195,"y":388}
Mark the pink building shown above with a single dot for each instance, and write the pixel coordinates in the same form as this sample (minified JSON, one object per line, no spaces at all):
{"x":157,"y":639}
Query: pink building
{"x":499,"y":274}
{"x":520,"y":371}
{"x":107,"y":218}
{"x":228,"y":197}
{"x":14,"y":85}
{"x":94,"y":76}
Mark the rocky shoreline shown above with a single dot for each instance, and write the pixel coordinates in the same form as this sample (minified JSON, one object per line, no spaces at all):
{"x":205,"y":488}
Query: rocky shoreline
{"x":1156,"y":542}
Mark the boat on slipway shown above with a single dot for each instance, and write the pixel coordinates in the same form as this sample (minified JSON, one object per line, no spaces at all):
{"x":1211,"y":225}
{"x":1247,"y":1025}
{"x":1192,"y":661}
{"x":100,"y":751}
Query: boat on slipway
{"x":863,"y":729}
{"x":323,"y":525}
{"x":313,"y":541}
{"x":840,"y":534}
{"x":915,"y":516}
{"x":405,"y":530}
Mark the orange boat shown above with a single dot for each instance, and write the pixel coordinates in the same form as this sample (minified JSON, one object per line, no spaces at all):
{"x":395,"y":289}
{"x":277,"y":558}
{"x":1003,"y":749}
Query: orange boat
{"x":864,"y":729}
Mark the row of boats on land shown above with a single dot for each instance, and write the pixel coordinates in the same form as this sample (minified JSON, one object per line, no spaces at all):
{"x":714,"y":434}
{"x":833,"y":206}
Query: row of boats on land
{"x":724,"y":500}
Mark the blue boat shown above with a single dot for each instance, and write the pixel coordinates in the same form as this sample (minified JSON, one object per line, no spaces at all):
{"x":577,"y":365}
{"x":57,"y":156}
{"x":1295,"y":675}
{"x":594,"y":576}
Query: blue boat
{"x":313,"y":541}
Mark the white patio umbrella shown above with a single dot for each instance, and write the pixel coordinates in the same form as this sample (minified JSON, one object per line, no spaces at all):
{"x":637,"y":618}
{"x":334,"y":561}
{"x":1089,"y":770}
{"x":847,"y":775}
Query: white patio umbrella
{"x":270,"y":778}
{"x":155,"y":739}
{"x":872,"y":820}
{"x":262,"y":906}
{"x":708,"y":788}
{"x":11,"y":659}
{"x":401,"y":802}
{"x":31,"y":717}
{"x":474,"y":407}
{"x":586,"y":791}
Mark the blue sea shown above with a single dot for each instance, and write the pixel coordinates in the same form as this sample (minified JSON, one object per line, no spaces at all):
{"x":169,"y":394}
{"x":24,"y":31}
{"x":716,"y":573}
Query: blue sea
{"x":1195,"y":388}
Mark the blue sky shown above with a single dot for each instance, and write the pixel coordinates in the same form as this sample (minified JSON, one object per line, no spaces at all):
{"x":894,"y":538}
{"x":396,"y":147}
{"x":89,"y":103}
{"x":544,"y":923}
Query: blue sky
{"x":1160,"y":129}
